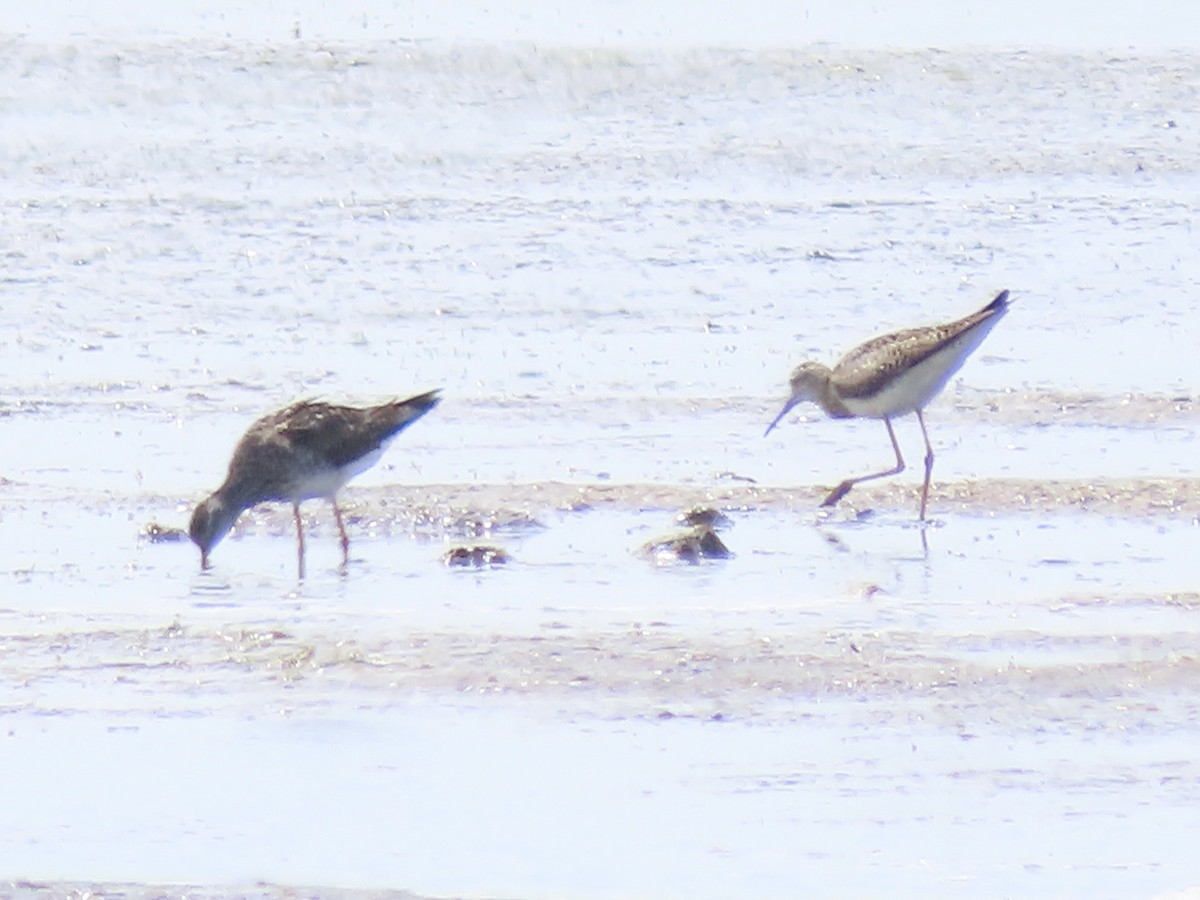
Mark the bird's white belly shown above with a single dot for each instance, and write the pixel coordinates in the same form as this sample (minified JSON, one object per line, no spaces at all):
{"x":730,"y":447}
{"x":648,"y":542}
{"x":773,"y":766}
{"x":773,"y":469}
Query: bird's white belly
{"x":327,"y":482}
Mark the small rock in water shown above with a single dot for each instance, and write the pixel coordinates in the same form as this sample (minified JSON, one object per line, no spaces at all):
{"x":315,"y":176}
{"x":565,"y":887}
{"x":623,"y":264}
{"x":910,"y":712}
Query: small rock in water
{"x":697,"y":542}
{"x":476,"y":557}
{"x":692,"y":546}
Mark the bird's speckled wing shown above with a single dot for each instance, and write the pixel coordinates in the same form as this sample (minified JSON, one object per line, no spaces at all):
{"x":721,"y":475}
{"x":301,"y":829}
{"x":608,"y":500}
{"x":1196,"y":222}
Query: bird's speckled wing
{"x":872,"y":367}
{"x":339,"y":435}
{"x":310,"y":438}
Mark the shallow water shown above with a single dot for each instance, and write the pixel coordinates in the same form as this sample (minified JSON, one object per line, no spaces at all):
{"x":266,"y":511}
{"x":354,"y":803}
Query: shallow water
{"x":609,"y":260}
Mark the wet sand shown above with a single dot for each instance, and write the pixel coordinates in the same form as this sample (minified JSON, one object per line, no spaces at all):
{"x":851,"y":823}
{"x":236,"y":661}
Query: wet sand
{"x":740,"y":668}
{"x":477,"y":509}
{"x":1038,"y":642}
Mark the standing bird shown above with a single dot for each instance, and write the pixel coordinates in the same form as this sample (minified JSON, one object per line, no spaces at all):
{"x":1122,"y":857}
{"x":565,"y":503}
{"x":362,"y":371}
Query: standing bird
{"x":890,"y":376}
{"x":308,"y":450}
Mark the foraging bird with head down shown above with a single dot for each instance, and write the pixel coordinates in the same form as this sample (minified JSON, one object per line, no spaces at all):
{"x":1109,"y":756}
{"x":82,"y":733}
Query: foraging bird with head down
{"x":308,"y":450}
{"x":893,"y":375}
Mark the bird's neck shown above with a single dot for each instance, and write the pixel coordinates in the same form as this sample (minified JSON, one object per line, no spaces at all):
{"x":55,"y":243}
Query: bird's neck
{"x":831,"y":402}
{"x":236,"y":494}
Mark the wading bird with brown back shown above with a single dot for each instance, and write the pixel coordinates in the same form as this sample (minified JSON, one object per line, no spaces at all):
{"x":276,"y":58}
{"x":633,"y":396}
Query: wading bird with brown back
{"x":892,"y":375}
{"x":306,"y":451}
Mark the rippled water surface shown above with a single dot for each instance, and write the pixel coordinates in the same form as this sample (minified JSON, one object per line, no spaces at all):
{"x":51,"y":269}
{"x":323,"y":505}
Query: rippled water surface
{"x":608,"y":260}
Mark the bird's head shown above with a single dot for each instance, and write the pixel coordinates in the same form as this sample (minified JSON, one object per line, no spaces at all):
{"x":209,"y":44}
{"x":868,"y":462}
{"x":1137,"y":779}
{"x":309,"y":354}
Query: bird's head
{"x":809,"y":381}
{"x":211,"y":521}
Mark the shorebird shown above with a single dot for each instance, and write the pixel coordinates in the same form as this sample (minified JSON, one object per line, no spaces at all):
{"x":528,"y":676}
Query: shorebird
{"x":890,"y":376}
{"x":308,"y":450}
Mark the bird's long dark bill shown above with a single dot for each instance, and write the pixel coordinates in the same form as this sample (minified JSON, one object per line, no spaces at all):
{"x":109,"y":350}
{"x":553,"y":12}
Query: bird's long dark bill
{"x":787,"y":408}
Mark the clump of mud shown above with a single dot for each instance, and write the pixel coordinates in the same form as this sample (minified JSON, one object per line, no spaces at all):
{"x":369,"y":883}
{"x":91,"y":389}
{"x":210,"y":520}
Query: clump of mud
{"x":479,"y":556}
{"x":696,"y":543}
{"x":162,"y":534}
